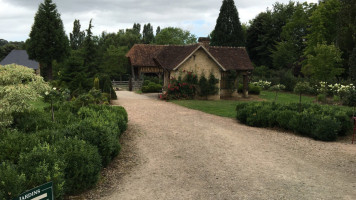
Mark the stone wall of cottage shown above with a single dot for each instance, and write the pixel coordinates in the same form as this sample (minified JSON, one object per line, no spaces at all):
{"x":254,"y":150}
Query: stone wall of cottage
{"x":200,"y":63}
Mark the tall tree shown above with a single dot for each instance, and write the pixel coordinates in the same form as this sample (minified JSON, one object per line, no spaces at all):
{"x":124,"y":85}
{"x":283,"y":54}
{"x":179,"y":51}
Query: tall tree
{"x":289,"y":51}
{"x":158,"y":30}
{"x":228,"y":30}
{"x":137,"y":28}
{"x":325,"y":64}
{"x":114,"y":62}
{"x":77,"y":36}
{"x":346,"y":38}
{"x":265,"y":31}
{"x":323,"y":25}
{"x":176,"y":36}
{"x":90,"y":52}
{"x":352,"y":66}
{"x":147,"y":34}
{"x":48,"y":41}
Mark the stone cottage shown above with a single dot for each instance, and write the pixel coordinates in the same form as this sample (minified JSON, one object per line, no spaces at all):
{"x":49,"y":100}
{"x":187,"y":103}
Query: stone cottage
{"x":168,"y":61}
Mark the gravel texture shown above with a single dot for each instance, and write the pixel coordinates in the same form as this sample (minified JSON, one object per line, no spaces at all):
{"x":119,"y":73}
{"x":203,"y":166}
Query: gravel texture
{"x":171,"y":152}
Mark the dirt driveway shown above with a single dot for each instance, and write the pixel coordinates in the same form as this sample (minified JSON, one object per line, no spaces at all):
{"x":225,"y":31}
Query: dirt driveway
{"x":187,"y":154}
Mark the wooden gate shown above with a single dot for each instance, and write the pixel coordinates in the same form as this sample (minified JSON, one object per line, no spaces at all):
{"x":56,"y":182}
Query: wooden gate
{"x":124,"y":85}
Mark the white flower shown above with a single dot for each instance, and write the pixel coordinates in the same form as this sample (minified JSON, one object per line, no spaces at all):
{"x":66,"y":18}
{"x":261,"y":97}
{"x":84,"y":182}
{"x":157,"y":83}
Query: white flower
{"x":54,"y":88}
{"x":46,"y":93}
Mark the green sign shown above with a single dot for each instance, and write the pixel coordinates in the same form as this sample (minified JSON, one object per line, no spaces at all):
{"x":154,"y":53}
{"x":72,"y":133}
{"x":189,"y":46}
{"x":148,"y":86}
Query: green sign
{"x":43,"y":192}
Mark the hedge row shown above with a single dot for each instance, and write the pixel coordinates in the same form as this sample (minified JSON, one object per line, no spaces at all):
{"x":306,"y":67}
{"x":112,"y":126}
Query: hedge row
{"x":70,"y":151}
{"x":320,"y":122}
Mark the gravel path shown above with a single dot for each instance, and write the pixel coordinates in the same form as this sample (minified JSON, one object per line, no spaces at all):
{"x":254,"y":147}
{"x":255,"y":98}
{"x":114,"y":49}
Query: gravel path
{"x":187,"y":154}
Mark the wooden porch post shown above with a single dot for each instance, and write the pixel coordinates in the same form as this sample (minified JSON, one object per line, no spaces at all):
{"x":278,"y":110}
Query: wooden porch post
{"x":245,"y":85}
{"x":165,"y":79}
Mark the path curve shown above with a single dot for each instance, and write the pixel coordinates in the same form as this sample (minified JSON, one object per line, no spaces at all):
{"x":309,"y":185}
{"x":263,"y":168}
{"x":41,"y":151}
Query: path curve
{"x":188,"y":154}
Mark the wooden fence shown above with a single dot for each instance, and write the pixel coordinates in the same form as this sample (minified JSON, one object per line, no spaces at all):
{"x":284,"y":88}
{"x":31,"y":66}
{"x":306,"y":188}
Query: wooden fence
{"x":124,"y":85}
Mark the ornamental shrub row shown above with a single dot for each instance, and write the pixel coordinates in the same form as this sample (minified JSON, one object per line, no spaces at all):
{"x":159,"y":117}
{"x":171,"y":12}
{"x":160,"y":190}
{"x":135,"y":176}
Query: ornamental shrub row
{"x":70,"y":151}
{"x":320,"y":122}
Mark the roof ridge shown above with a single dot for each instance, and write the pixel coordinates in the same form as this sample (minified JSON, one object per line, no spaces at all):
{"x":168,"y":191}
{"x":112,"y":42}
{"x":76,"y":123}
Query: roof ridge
{"x":169,"y":45}
{"x":227,"y":47}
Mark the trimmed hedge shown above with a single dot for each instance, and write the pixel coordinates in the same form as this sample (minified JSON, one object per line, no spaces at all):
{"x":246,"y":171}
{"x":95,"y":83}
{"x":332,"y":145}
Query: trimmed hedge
{"x":151,"y":87}
{"x":82,"y":164}
{"x":252,"y":89}
{"x":12,"y":182}
{"x":70,"y":151}
{"x":320,"y":122}
{"x":42,"y":165}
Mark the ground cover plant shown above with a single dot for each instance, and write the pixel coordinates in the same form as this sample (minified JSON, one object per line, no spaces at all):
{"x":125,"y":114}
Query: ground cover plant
{"x":70,"y":151}
{"x":321,"y":122}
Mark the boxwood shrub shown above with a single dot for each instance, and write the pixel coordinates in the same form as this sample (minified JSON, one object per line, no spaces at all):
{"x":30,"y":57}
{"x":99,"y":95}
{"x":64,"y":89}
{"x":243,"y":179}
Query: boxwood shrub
{"x":70,"y":151}
{"x":252,"y":89}
{"x":320,"y":122}
{"x":82,"y":164}
{"x":12,"y":182}
{"x":42,"y":165}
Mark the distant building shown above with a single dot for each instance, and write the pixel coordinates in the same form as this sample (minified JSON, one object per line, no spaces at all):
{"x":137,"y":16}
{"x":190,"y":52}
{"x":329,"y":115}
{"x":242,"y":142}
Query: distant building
{"x":20,"y":57}
{"x":170,"y":61}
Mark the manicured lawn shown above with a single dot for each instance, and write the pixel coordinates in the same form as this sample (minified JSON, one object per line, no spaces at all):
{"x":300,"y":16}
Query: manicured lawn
{"x":285,"y":97}
{"x":222,"y":108}
{"x":226,"y":108}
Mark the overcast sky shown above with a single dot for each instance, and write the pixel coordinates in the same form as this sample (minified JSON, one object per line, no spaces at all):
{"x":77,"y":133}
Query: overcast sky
{"x":197,"y":16}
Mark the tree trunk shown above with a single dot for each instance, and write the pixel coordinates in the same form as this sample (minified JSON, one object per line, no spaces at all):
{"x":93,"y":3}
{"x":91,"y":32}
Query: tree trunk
{"x":49,"y":71}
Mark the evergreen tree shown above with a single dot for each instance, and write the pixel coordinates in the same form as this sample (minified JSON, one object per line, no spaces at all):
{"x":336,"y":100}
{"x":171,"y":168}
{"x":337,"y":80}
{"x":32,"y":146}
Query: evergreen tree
{"x":48,"y":41}
{"x":158,"y":30}
{"x":352,"y":65}
{"x":147,"y":34}
{"x":77,"y":36}
{"x":137,"y":29}
{"x":228,"y":30}
{"x":90,"y":52}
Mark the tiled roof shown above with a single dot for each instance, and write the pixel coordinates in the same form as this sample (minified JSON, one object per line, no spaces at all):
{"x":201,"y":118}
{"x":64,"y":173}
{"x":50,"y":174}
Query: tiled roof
{"x":170,"y":56}
{"x":232,"y":58}
{"x":143,"y":54}
{"x":19,"y":57}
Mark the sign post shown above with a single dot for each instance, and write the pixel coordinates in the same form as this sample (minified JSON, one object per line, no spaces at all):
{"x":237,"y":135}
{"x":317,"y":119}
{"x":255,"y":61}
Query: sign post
{"x":43,"y":192}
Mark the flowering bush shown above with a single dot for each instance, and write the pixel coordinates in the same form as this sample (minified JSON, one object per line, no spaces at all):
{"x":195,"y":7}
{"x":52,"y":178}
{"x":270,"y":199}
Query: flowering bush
{"x":178,"y":89}
{"x":18,"y":86}
{"x":335,"y":89}
{"x":322,"y":88}
{"x":262,"y":84}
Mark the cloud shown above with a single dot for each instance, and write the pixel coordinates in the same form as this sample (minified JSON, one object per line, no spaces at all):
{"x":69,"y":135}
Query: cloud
{"x":198,"y":16}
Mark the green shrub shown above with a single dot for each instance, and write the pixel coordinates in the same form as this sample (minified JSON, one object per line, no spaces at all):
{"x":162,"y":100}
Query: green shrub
{"x":326,"y":129}
{"x":151,"y":87}
{"x":33,"y":120}
{"x":12,"y":183}
{"x":252,"y":89}
{"x":103,"y":137}
{"x":82,"y":164}
{"x":43,"y":165}
{"x":312,"y":120}
{"x":14,"y":143}
{"x":283,"y":118}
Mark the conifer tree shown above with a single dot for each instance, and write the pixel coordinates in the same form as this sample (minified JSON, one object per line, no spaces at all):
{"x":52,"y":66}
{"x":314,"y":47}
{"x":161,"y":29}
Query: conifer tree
{"x":158,"y":30}
{"x":147,"y":34}
{"x":228,"y":30}
{"x":90,"y":52}
{"x":77,"y":36}
{"x":48,"y":41}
